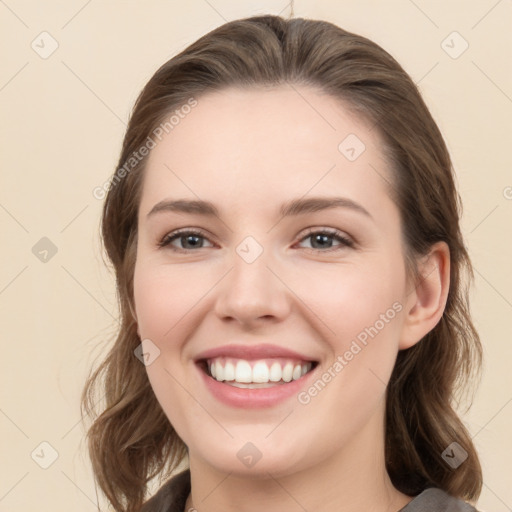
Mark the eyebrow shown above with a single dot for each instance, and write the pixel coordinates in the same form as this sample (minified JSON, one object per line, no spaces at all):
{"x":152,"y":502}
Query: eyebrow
{"x":291,"y":208}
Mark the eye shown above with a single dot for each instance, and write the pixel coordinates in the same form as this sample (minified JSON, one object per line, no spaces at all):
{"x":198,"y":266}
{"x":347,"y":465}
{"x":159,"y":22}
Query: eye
{"x":322,"y":240}
{"x":190,"y":239}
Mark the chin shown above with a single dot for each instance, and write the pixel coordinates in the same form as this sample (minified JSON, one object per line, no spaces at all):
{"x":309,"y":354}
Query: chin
{"x":255,"y":459}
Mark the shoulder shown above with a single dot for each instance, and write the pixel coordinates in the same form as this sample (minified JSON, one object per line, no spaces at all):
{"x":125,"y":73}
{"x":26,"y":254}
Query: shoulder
{"x":172,"y":496}
{"x":437,"y":500}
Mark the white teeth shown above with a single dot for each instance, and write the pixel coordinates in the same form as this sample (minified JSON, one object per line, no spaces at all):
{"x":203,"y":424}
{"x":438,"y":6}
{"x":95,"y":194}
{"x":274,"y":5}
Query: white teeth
{"x":297,"y":372}
{"x":260,"y":372}
{"x":276,"y":372}
{"x":229,"y":371}
{"x":219,"y":371}
{"x":243,"y":372}
{"x":288,"y":372}
{"x":240,"y":371}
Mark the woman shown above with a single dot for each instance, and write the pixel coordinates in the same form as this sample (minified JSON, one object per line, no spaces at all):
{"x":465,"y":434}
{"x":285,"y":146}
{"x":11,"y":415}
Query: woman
{"x":284,"y":228}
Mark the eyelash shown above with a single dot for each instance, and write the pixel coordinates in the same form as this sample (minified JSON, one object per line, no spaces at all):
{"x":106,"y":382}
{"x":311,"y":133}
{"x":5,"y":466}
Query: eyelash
{"x":345,"y":242}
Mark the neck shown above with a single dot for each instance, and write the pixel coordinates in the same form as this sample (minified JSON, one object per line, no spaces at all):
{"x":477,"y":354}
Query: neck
{"x":349,"y":480}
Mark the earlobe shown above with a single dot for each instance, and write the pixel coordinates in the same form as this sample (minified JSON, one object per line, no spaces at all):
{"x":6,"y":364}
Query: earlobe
{"x":425,"y":304}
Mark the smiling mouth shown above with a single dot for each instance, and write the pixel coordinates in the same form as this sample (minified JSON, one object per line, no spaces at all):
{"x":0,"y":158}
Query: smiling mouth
{"x":255,"y":374}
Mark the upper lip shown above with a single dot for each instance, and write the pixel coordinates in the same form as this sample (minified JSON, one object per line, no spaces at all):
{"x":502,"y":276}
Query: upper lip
{"x":250,"y":352}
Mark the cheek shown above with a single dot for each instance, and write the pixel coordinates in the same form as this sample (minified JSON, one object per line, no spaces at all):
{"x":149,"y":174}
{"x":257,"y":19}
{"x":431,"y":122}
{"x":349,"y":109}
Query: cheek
{"x":163,"y":295}
{"x":349,"y":299}
{"x":360,"y":315}
{"x":360,"y":318}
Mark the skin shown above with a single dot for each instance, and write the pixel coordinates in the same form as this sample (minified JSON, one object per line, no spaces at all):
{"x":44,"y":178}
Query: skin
{"x":249,"y":151}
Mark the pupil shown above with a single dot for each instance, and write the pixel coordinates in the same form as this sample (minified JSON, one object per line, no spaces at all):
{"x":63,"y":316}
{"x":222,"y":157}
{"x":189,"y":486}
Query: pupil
{"x":191,"y":237}
{"x":322,"y":238}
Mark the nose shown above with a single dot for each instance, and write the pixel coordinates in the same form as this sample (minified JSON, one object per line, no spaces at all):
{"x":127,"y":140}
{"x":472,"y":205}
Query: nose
{"x":253,"y":294}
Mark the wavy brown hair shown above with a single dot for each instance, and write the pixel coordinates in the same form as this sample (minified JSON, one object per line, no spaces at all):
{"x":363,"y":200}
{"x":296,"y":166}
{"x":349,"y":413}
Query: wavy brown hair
{"x":130,"y":440}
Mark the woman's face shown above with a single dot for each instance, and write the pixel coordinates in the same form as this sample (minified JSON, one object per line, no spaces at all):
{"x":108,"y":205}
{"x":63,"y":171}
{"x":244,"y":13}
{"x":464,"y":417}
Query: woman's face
{"x":264,"y":296}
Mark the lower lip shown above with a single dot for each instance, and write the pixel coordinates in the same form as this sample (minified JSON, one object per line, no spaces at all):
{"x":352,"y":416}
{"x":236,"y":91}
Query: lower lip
{"x":246,"y":398}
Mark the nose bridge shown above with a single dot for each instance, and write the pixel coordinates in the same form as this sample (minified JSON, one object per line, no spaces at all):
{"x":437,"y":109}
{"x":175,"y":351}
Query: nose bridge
{"x":251,"y":290}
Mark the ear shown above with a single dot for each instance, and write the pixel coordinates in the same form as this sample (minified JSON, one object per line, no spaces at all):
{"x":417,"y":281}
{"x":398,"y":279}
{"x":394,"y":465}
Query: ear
{"x":425,"y":303}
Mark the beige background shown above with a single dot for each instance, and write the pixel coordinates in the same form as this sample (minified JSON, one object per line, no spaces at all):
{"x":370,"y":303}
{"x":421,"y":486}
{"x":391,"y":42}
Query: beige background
{"x":63,"y":118}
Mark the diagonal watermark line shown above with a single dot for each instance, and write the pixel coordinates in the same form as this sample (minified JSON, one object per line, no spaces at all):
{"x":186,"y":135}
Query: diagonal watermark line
{"x":14,"y":423}
{"x":13,"y":279}
{"x":200,"y":404}
{"x":198,"y":301}
{"x":14,"y":76}
{"x":14,"y":14}
{"x":14,"y":485}
{"x":303,"y":195}
{"x":92,"y":92}
{"x":423,"y":278}
{"x":165,"y":165}
{"x":71,"y":429}
{"x":214,"y":489}
{"x":506,"y":504}
{"x":93,"y":502}
{"x":502,"y":296}
{"x":282,"y":421}
{"x":486,"y":14}
{"x":13,"y":217}
{"x":291,"y":85}
{"x":286,"y":491}
{"x":377,"y":377}
{"x":383,"y":177}
{"x":81,"y":419}
{"x":503,"y":407}
{"x":76,"y":14}
{"x":377,"y":120}
{"x":492,"y":81}
{"x":424,"y":14}
{"x":492,"y":211}
{"x":300,"y":299}
{"x":427,"y":73}
{"x":206,"y":1}
{"x":87,"y":291}
{"x":291,"y":6}
{"x":73,"y":220}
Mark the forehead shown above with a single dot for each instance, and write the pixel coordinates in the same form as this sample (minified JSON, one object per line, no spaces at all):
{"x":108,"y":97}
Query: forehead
{"x":261,"y":144}
{"x":285,"y":116}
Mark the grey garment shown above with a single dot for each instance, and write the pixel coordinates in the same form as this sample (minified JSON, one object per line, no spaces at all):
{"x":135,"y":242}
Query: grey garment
{"x":172,"y":497}
{"x":436,"y":500}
